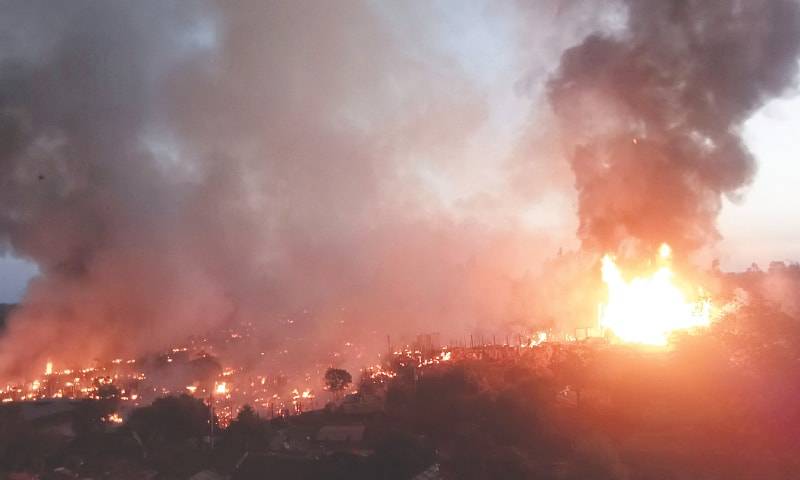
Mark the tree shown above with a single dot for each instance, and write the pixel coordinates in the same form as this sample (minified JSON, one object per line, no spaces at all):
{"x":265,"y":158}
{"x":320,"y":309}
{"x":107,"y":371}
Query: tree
{"x":247,"y":416}
{"x":336,"y":380}
{"x":247,"y":432}
{"x":170,"y":420}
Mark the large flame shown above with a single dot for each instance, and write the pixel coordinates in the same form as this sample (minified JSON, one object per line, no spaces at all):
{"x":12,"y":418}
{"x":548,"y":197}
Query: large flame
{"x":648,"y":309}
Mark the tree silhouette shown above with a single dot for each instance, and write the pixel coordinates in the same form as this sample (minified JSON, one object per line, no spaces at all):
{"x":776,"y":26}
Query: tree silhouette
{"x":336,"y":380}
{"x":171,"y":419}
{"x":246,"y":432}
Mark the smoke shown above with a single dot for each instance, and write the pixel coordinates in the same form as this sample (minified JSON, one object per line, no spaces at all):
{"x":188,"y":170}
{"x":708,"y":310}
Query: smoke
{"x":651,"y":114}
{"x":172,"y":167}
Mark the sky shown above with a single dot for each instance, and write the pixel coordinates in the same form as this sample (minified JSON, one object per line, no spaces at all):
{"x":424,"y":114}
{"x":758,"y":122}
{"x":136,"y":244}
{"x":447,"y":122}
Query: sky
{"x":764,"y":225}
{"x":15,"y":276}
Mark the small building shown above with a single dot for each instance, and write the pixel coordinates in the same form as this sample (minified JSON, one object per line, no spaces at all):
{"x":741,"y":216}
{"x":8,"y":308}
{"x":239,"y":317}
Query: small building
{"x":362,"y":404}
{"x":341,"y":433}
{"x":343,"y":439}
{"x":294,"y":440}
{"x":53,"y":416}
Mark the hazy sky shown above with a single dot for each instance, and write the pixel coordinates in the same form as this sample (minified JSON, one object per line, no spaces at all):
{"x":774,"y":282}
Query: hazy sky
{"x":15,"y":275}
{"x":765,"y":224}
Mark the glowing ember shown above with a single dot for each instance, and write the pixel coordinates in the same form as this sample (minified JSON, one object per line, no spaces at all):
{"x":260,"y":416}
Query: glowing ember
{"x":379,"y":373}
{"x":648,"y":309}
{"x":233,"y":388}
{"x":537,"y":339}
{"x":113,"y":418}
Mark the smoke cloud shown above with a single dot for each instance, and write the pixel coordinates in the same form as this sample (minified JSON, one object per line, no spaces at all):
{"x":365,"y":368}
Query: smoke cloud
{"x":652,"y":112}
{"x":173,"y":167}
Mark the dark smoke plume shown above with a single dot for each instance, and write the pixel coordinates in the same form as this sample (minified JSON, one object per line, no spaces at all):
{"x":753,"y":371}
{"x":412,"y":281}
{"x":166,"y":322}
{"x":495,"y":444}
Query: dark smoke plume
{"x":653,"y":114}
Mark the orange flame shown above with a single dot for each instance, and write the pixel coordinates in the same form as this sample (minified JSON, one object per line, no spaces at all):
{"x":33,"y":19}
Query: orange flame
{"x":648,"y":309}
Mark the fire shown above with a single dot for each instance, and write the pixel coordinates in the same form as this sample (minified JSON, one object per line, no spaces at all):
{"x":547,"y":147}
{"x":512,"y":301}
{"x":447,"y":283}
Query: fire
{"x":538,"y":339}
{"x":227,"y":393}
{"x":114,"y":418}
{"x":648,"y":309}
